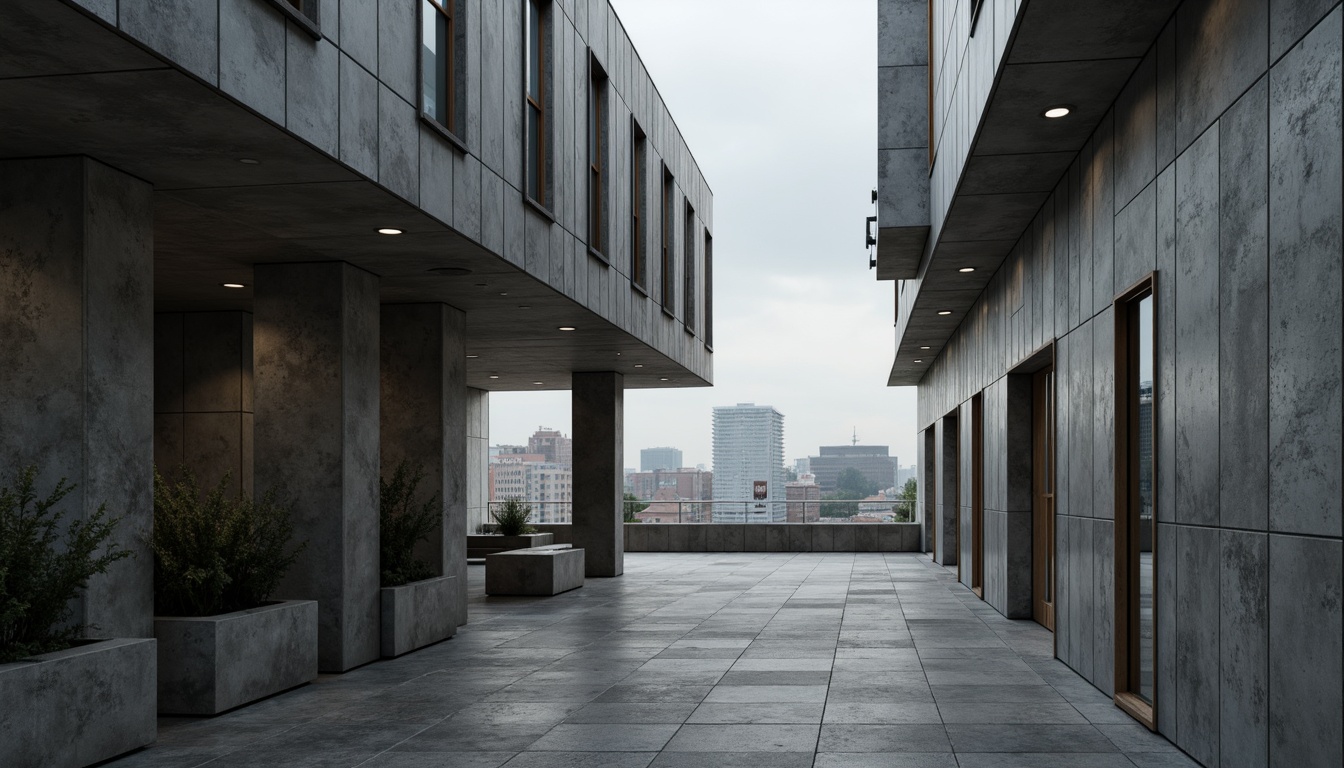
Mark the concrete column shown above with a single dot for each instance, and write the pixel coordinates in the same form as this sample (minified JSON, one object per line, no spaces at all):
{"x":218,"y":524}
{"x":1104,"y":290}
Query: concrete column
{"x":203,"y":396}
{"x":76,"y":359}
{"x":315,"y":335}
{"x":598,"y":416}
{"x":949,"y":501}
{"x":424,"y":421}
{"x":478,"y":458}
{"x":928,"y":484}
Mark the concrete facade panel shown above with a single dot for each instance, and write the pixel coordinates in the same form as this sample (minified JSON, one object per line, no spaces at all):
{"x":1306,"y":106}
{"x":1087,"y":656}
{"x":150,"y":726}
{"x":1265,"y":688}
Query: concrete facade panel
{"x":359,"y":117}
{"x":1244,"y":649}
{"x":312,"y":90}
{"x":252,"y":45}
{"x":1222,"y":46}
{"x":1197,"y":623}
{"x":184,"y":31}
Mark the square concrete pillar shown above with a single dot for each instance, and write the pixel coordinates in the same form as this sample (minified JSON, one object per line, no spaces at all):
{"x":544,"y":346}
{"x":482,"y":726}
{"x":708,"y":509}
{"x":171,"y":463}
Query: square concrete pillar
{"x":315,"y":346}
{"x":76,"y":359}
{"x":478,"y":459}
{"x":203,"y":397}
{"x":598,"y":415}
{"x":424,"y":421}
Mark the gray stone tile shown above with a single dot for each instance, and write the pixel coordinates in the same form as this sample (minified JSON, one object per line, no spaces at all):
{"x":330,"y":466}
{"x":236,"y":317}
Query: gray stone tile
{"x":1020,"y":712}
{"x":581,"y":760}
{"x":1042,"y":760}
{"x":605,"y":737}
{"x":733,"y":760}
{"x":633,"y":713}
{"x":847,"y":737}
{"x":1027,"y":737}
{"x":761,"y":712}
{"x":747,"y":694}
{"x":438,"y":759}
{"x":885,"y":760}
{"x":745,"y":738}
{"x":887,"y":712}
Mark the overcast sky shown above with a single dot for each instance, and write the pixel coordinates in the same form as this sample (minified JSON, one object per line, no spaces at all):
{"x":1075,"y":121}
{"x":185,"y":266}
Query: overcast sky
{"x":777,"y":100}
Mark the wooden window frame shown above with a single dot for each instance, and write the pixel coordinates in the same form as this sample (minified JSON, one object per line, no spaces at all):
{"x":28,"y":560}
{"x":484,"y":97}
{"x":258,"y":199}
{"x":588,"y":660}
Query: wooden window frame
{"x":597,"y":153}
{"x":667,"y":294}
{"x":978,"y":494}
{"x":1043,"y":483}
{"x":709,"y":291}
{"x":1126,"y":509}
{"x":639,"y":200}
{"x":306,"y":13}
{"x":534,"y":109}
{"x":447,"y":63}
{"x":688,"y":269}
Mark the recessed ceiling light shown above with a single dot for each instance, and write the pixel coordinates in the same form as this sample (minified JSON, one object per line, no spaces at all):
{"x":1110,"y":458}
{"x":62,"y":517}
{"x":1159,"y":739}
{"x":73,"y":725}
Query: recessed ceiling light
{"x":494,"y":376}
{"x":925,"y":347}
{"x":565,"y":328}
{"x":503,"y":293}
{"x":966,"y":269}
{"x":919,"y":361}
{"x":538,"y":382}
{"x":389,"y":231}
{"x":639,"y":365}
{"x":234,"y":285}
{"x":944,"y":311}
{"x":472,"y":357}
{"x":1057,"y":111}
{"x":663,"y":379}
{"x":248,"y":161}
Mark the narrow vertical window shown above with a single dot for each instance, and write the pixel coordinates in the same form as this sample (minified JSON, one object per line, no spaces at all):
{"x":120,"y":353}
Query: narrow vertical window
{"x":536,"y":104}
{"x":437,"y":87}
{"x":709,"y":290}
{"x":597,"y":151}
{"x":638,"y":201}
{"x":667,"y":289}
{"x":688,"y":270}
{"x":1135,"y":530}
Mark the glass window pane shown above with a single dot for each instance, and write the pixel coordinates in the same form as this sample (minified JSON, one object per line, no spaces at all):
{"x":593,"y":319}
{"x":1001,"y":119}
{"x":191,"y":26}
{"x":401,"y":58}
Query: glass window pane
{"x":429,"y":54}
{"x":533,"y":146}
{"x":534,"y":51}
{"x":1144,"y":544}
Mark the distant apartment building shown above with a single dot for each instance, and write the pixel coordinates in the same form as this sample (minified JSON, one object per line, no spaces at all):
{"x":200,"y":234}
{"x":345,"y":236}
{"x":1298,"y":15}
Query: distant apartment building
{"x":651,"y":459}
{"x":870,"y":460}
{"x":748,"y":448}
{"x":802,"y":501}
{"x":547,"y":486}
{"x":550,"y":443}
{"x":693,"y":484}
{"x":802,"y":466}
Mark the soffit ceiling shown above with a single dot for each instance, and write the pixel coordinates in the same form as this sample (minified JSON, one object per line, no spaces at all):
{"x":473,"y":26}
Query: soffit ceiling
{"x":69,"y":85}
{"x":1075,"y":52}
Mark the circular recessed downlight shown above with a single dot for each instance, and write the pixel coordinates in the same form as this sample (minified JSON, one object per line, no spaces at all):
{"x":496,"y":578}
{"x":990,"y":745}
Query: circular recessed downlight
{"x":234,"y":285}
{"x":919,"y":361}
{"x":944,"y":311}
{"x":538,"y":382}
{"x":472,"y":357}
{"x":1056,"y":112}
{"x":966,"y":269}
{"x":639,"y":365}
{"x":663,"y":379}
{"x":925,"y":347}
{"x":494,"y":376}
{"x":565,"y":328}
{"x":248,"y":161}
{"x":389,"y":231}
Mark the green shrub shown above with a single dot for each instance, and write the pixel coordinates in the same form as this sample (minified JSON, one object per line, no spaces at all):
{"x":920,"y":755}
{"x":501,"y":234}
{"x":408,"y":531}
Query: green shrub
{"x":512,"y":518}
{"x":403,"y":525}
{"x":42,"y":570}
{"x":218,"y":552}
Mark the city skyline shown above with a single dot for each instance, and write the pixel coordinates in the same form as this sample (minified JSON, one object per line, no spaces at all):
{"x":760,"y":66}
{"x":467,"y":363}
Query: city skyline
{"x":800,"y":323}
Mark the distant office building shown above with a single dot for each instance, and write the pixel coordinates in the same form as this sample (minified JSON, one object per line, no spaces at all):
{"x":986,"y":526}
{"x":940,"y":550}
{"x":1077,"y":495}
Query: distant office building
{"x":548,"y":487}
{"x":651,"y":459}
{"x":506,"y":450}
{"x":906,"y":474}
{"x":799,"y":501}
{"x":802,"y":466}
{"x":871,"y":460}
{"x":550,"y":443}
{"x":748,"y":448}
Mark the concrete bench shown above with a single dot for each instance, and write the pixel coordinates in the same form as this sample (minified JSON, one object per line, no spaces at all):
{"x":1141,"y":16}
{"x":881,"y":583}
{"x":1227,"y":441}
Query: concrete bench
{"x":547,"y":570}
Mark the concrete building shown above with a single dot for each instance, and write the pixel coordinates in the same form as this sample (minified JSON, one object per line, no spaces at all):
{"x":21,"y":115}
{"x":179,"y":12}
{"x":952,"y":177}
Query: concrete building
{"x":1115,"y":231}
{"x":651,"y":459}
{"x":802,"y":466}
{"x":294,"y":246}
{"x":799,"y":495}
{"x":686,"y":483}
{"x":748,"y":448}
{"x":870,"y":460}
{"x":557,"y":448}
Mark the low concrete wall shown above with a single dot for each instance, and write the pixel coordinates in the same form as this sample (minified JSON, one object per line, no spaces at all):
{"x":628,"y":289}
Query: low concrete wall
{"x":79,"y":706}
{"x":482,"y":544}
{"x":758,"y":537}
{"x":543,"y":571}
{"x":211,"y":664}
{"x":418,"y":614}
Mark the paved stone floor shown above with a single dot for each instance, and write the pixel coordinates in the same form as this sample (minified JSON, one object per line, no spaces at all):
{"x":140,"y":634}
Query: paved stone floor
{"x":729,"y":659}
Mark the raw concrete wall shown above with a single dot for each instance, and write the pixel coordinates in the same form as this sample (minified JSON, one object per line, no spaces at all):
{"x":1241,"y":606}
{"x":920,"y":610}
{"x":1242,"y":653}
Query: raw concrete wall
{"x":203,"y":396}
{"x":76,"y":359}
{"x":1219,"y":168}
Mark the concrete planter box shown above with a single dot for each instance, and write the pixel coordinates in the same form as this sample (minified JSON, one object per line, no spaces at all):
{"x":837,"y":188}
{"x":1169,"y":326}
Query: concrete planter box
{"x":418,"y":614}
{"x":211,"y":664}
{"x":480,"y":545}
{"x":542,"y":572}
{"x":79,"y":706}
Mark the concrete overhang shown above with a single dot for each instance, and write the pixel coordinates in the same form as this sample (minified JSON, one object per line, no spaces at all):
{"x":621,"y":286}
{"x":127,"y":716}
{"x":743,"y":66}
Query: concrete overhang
{"x":1075,"y":52}
{"x":70,"y":85}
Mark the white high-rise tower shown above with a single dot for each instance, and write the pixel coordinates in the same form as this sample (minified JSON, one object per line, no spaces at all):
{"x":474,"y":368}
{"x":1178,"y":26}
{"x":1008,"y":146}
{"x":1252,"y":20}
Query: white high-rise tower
{"x":748,"y":447}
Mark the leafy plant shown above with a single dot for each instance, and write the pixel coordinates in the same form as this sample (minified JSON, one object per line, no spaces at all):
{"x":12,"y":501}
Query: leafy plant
{"x":41,"y":569}
{"x":403,"y":525}
{"x":633,"y":506}
{"x":218,"y":552}
{"x":513,"y":517}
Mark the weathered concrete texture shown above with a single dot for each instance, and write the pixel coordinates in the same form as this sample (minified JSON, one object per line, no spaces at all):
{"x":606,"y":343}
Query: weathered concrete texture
{"x":423,"y":416}
{"x":211,"y":664}
{"x":1243,"y":651}
{"x":599,"y":455}
{"x":76,"y":359}
{"x":945,"y":552}
{"x":317,"y":441}
{"x":420,"y":613}
{"x":478,"y":459}
{"x":79,"y":706}
{"x":1305,"y":613}
{"x":540,"y":571}
{"x":482,"y":544}
{"x":203,"y":396}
